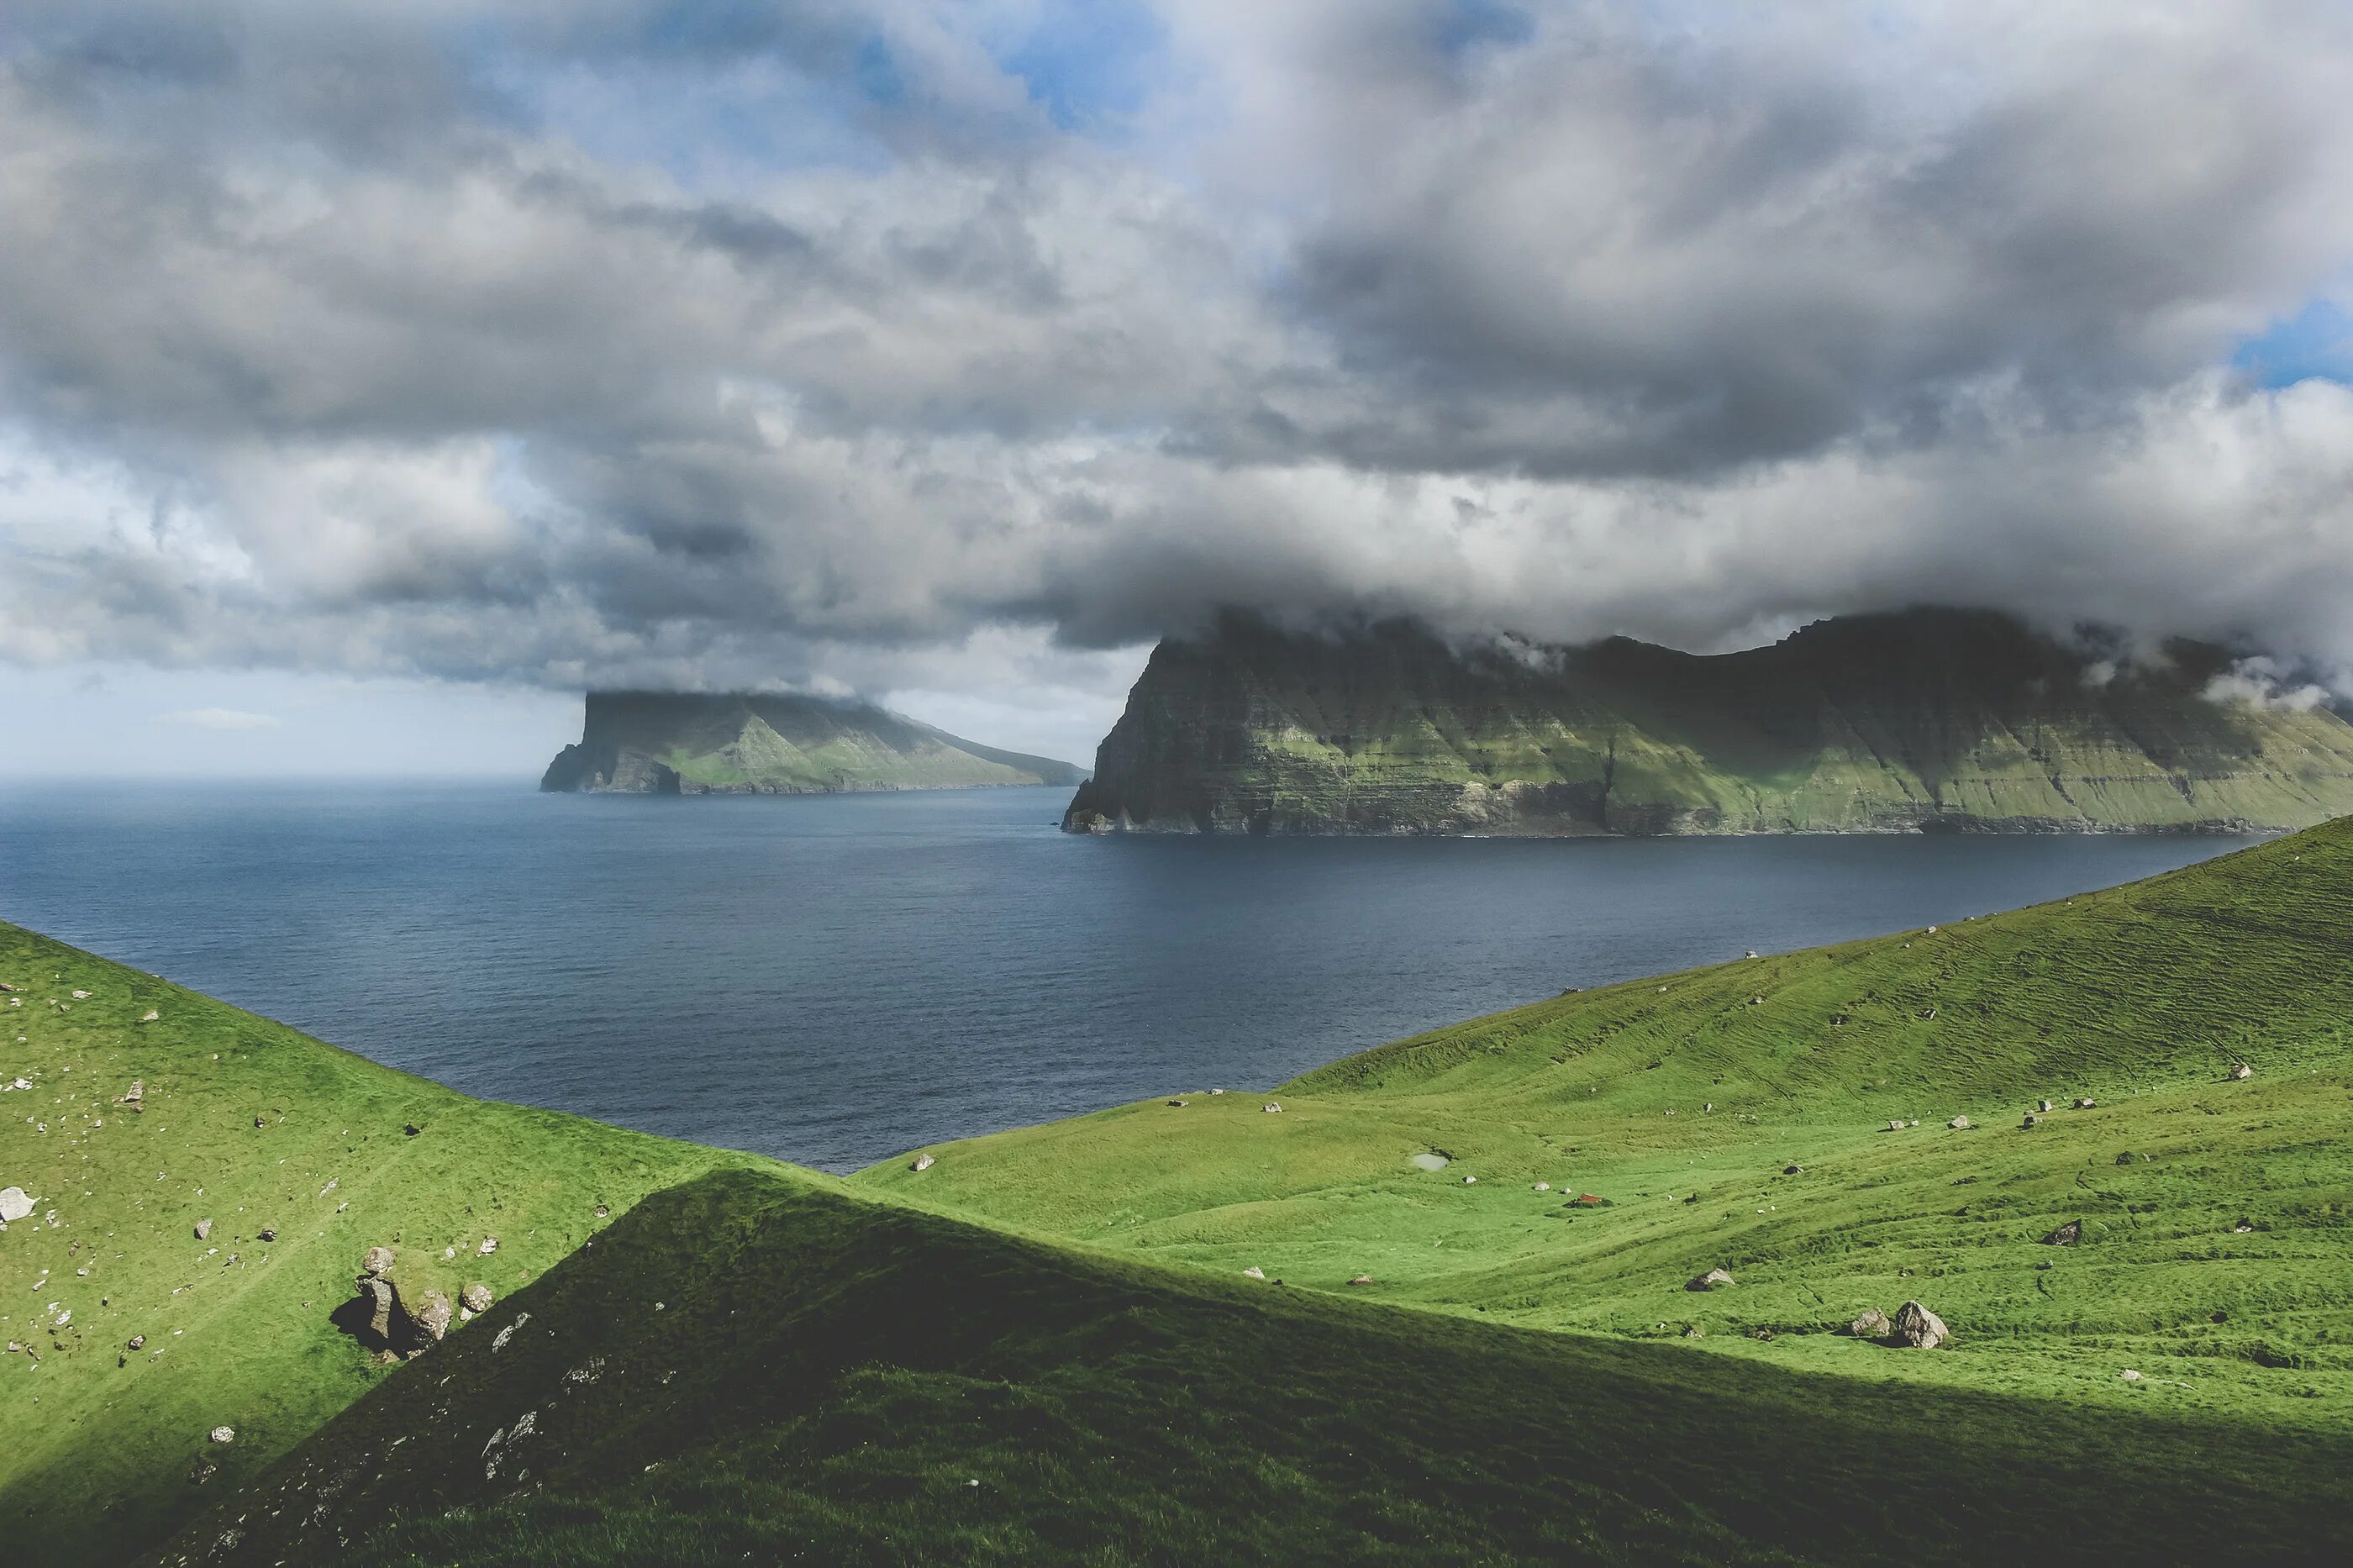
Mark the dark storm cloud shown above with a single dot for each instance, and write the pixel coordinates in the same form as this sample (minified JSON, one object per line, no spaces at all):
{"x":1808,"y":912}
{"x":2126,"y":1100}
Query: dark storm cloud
{"x":624,"y":339}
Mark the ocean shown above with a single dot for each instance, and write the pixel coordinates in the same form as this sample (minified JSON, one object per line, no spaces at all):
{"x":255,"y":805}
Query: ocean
{"x":835,"y":979}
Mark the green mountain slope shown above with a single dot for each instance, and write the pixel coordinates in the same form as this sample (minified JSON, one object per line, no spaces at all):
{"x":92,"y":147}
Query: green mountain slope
{"x":256,"y":1128}
{"x":2217,"y":1214}
{"x":1931,"y":718}
{"x":652,"y":743}
{"x":750,"y":1370}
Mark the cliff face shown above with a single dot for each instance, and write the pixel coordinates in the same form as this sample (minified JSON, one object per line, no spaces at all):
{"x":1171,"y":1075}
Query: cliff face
{"x":655,"y":743}
{"x":1926,"y":720}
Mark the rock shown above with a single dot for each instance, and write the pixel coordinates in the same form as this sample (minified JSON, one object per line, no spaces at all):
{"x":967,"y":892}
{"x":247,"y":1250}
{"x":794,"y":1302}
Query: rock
{"x":381,"y":1299}
{"x":475,"y":1297}
{"x":1710,"y":1281}
{"x":203,"y":1230}
{"x":1927,"y":1012}
{"x":81,"y":996}
{"x":2086,"y":1103}
{"x":431,"y":1318}
{"x":2126,"y":1158}
{"x":14,"y":1205}
{"x":2043,"y":1106}
{"x":2129,"y":1375}
{"x":1216,"y":1091}
{"x":224,"y":1433}
{"x":490,"y":1245}
{"x":150,"y":1016}
{"x":1695,"y":1332}
{"x":1176,"y":1105}
{"x":923,"y":1162}
{"x":2242,"y":1071}
{"x":1872,"y":1324}
{"x":2067,"y":1235}
{"x":1362,"y":1279}
{"x":410,"y":1130}
{"x":1470,"y":1181}
{"x":378,"y":1261}
{"x":138,"y":1341}
{"x":2030,"y":1121}
{"x":265,"y":1233}
{"x":134,"y":1094}
{"x":1792,"y":1170}
{"x":1543,"y":1187}
{"x":1254,"y":1272}
{"x":602,"y":1211}
{"x":1920,"y":1327}
{"x":1896,"y":1126}
{"x":2243,"y":1227}
{"x":1271,"y":1107}
{"x":1958,"y":1124}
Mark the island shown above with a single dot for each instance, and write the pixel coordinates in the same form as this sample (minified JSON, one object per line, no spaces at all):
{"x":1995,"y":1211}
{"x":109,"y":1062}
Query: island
{"x":671,"y":742}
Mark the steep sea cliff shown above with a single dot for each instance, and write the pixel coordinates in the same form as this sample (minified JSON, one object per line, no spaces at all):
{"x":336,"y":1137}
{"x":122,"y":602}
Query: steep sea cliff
{"x":1927,"y":720}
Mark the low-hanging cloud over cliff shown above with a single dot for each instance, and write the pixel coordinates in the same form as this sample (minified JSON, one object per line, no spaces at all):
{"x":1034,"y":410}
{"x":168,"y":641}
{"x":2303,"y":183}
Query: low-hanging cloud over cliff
{"x":632,"y":341}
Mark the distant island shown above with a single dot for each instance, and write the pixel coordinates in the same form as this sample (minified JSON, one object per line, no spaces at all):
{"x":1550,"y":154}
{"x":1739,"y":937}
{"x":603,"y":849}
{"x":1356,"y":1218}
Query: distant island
{"x":663,"y":742}
{"x":1923,"y":719}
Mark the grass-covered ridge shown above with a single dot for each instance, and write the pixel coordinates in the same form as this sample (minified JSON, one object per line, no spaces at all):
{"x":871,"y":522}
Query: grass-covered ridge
{"x":749,"y":1370}
{"x":1685,"y":1101}
{"x":252,"y":1126}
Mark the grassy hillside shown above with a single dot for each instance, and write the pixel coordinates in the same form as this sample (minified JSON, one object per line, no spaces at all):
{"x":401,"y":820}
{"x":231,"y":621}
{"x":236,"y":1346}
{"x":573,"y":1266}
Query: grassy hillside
{"x":1928,"y":719}
{"x":254,"y":1127}
{"x":2217,"y":1248}
{"x":754,"y":1369}
{"x":660,"y":742}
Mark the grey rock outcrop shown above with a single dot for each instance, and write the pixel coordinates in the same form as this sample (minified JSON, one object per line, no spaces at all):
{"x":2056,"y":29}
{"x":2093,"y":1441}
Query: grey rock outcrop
{"x":1715,"y":1278}
{"x":1920,"y":1327}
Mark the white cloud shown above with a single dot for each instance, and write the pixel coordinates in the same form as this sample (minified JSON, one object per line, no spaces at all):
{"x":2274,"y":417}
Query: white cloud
{"x":219,"y":719}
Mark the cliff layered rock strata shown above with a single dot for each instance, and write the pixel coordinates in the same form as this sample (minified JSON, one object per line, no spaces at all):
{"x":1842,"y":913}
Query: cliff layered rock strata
{"x":1926,"y":720}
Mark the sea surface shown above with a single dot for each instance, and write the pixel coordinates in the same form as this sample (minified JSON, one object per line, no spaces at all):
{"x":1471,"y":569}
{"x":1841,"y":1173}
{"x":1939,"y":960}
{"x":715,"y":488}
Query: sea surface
{"x":835,"y":979}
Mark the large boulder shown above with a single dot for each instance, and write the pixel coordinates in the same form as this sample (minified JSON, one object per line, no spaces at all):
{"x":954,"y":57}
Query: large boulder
{"x":431,"y":1319}
{"x":14,"y":1205}
{"x":1871,"y":1324}
{"x":2067,"y":1235}
{"x":1919,"y":1327}
{"x":475,"y":1297}
{"x":381,"y":1299}
{"x":378,"y":1261}
{"x":1710,"y":1281}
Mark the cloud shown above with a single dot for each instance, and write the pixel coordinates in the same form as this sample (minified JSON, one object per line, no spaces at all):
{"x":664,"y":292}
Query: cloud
{"x":2259,"y":682}
{"x":218,"y":719}
{"x":849,"y":342}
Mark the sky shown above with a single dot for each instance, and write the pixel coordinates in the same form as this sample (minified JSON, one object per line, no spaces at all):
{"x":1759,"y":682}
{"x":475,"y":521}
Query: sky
{"x":376,"y":378}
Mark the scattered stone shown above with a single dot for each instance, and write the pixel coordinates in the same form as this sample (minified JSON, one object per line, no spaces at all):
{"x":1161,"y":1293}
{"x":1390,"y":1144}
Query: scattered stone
{"x":1896,"y":1126}
{"x":202,"y":1471}
{"x":81,"y":996}
{"x":1709,"y":1281}
{"x":378,"y":1261}
{"x":1958,"y":1124}
{"x":2067,"y":1235}
{"x":410,"y":1130}
{"x":475,"y":1297}
{"x":1872,"y":1324}
{"x":134,"y":1094}
{"x":1543,"y":1187}
{"x":2030,"y":1121}
{"x":1920,"y":1327}
{"x":2043,"y":1106}
{"x":138,"y":1341}
{"x":224,"y":1433}
{"x":150,"y":1016}
{"x":1216,"y":1091}
{"x":2126,"y":1158}
{"x":1254,"y":1272}
{"x":2129,"y":1375}
{"x":265,"y":1233}
{"x":602,"y":1211}
{"x":203,"y":1230}
{"x":1927,"y":1012}
{"x":14,"y":1205}
{"x":2243,"y":1227}
{"x":1792,"y":1170}
{"x":1362,"y":1279}
{"x":1176,"y":1105}
{"x":490,"y":1245}
{"x":1695,"y":1332}
{"x":923,"y":1162}
{"x":2086,"y":1103}
{"x":1271,"y":1107}
{"x":1469,"y":1181}
{"x":2242,"y":1071}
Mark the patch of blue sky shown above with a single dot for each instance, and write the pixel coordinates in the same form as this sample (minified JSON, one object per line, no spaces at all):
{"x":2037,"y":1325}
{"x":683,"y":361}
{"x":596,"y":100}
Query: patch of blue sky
{"x":2316,"y":343}
{"x":1090,"y":65}
{"x":1464,"y":26}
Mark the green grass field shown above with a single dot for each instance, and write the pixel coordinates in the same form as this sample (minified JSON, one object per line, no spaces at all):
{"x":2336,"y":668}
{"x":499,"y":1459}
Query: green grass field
{"x":745,"y":1362}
